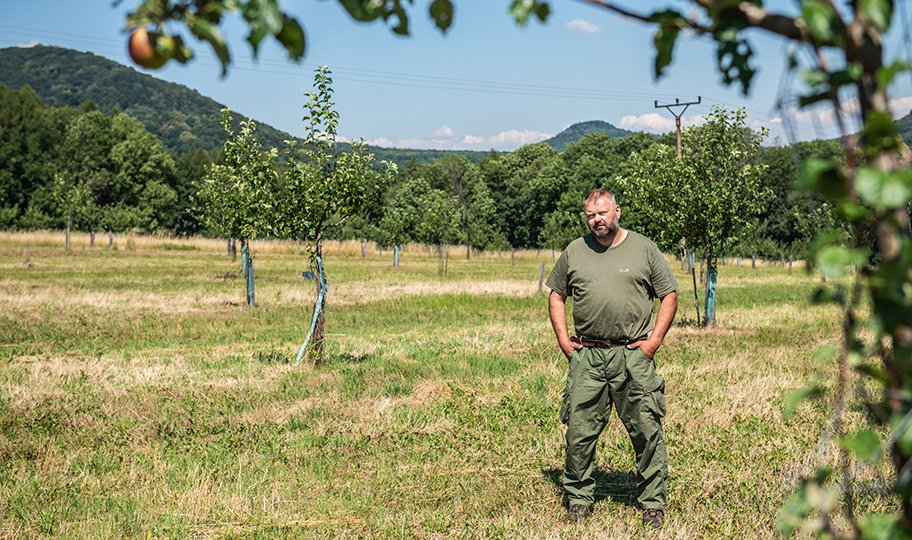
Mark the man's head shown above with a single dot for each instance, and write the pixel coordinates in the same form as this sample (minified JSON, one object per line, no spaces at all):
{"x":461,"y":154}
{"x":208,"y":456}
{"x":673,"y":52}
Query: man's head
{"x":602,"y":213}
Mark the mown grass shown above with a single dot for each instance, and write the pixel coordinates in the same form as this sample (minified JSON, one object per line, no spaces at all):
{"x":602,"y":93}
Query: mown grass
{"x":139,"y":397}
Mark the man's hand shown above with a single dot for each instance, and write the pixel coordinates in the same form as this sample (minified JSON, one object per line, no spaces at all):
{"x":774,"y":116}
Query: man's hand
{"x":568,"y":347}
{"x":667,"y":309}
{"x":558,"y":312}
{"x":648,"y":346}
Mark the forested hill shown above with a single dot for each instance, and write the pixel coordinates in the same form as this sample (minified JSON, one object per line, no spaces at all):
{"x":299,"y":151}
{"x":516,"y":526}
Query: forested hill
{"x":565,"y":138}
{"x":181,"y":118}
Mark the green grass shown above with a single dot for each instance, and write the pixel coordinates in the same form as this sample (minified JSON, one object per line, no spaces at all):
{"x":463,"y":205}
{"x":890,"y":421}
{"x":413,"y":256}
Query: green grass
{"x":139,"y":397}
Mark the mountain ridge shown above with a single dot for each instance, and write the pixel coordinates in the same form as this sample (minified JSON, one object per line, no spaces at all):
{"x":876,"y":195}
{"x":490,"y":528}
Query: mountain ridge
{"x":181,"y":117}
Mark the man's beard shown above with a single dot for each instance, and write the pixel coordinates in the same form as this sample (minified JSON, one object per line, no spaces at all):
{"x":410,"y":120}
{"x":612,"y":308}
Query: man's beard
{"x":607,"y":231}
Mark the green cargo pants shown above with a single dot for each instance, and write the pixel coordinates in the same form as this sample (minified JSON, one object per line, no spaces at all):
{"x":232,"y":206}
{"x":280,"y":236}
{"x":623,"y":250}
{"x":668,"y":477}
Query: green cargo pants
{"x":596,"y":378}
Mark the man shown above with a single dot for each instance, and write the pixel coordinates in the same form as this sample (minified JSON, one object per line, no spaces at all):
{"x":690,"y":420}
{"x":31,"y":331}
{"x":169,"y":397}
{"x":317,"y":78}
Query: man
{"x":613,"y":275}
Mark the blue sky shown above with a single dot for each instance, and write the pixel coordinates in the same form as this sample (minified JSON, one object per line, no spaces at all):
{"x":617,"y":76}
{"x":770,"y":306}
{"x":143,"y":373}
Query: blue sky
{"x":485,"y":84}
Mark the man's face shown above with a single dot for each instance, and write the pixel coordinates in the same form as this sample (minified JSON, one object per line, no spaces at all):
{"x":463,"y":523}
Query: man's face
{"x":602,"y":216}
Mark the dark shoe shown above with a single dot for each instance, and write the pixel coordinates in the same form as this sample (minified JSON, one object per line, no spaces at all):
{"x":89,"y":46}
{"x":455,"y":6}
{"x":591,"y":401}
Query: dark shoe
{"x":577,"y":512}
{"x":652,"y":518}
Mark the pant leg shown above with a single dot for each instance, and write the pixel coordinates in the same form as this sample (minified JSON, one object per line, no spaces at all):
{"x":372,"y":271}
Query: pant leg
{"x":587,"y":406}
{"x":640,"y":402}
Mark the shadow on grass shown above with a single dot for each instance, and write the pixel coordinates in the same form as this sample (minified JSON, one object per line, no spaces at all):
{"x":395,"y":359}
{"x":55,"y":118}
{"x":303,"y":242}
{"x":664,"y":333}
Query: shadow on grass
{"x":347,"y":358}
{"x":686,"y":322}
{"x":618,"y":486}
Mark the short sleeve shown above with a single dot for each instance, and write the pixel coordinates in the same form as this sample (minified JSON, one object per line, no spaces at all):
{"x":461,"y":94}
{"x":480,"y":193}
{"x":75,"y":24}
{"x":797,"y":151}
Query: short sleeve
{"x":662,"y":278}
{"x":557,"y":280}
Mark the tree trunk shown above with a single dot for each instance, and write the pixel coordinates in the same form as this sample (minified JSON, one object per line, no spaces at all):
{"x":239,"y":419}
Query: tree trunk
{"x":244,"y":258}
{"x":110,"y":238}
{"x":710,"y":308}
{"x":247,"y":272}
{"x":92,"y":238}
{"x":69,"y":222}
{"x":693,"y":275}
{"x":541,"y":276}
{"x":320,"y":302}
{"x":251,"y":297}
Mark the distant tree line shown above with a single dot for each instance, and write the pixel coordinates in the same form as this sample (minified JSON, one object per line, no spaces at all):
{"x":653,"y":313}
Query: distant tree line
{"x":127,"y":180}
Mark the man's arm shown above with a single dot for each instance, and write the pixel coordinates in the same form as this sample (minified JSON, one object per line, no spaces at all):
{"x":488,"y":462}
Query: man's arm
{"x":667,"y":310}
{"x":557,"y":309}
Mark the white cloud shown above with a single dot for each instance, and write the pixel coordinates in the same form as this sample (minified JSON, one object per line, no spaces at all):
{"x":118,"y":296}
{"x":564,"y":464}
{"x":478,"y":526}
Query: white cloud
{"x":583,"y":26}
{"x":28,"y":45}
{"x":515,"y":138}
{"x":653,"y":122}
{"x":446,"y":138}
{"x":381,"y":141}
{"x":821,"y":122}
{"x":658,"y":123}
{"x":444,"y":132}
{"x":901,"y":106}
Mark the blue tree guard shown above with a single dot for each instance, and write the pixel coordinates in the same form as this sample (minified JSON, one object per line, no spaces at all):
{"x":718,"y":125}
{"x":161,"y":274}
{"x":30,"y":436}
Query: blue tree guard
{"x":318,"y":307}
{"x":244,"y":257}
{"x":250,"y":297}
{"x":710,"y":295}
{"x":395,"y":255}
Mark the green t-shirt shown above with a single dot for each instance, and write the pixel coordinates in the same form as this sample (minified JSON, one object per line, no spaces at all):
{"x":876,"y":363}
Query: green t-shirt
{"x":612,"y":288}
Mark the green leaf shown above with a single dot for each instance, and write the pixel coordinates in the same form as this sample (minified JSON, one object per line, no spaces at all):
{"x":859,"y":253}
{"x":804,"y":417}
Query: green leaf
{"x":865,"y":444}
{"x":733,"y":55}
{"x":880,"y":134}
{"x":853,"y":211}
{"x":207,"y":31}
{"x":181,"y":52}
{"x":810,"y":99}
{"x":878,"y":526}
{"x":442,"y":13}
{"x":819,"y":18}
{"x":886,"y":74}
{"x":292,"y":38}
{"x":825,"y":353}
{"x":842,"y":77}
{"x":521,"y":10}
{"x":875,"y":372}
{"x":814,"y":77}
{"x":795,"y":397}
{"x":832,"y":260}
{"x":664,"y":44}
{"x":264,"y":18}
{"x":878,"y":12}
{"x":361,"y":10}
{"x":793,"y":512}
{"x":824,"y":177}
{"x":883,"y":190}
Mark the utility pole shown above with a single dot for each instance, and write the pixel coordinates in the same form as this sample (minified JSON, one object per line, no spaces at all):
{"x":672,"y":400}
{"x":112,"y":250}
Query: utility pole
{"x":677,"y":116}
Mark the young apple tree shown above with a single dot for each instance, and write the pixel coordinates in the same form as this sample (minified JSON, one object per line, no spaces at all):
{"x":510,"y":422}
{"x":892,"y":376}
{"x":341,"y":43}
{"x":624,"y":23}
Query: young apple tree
{"x":321,"y":188}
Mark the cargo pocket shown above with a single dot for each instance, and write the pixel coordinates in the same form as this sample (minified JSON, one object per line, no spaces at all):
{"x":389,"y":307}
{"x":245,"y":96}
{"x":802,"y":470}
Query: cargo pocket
{"x":565,"y":401}
{"x":655,"y":396}
{"x":642,"y":370}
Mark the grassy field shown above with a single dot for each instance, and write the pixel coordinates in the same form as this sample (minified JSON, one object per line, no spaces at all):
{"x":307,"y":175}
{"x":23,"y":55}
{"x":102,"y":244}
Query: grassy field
{"x":140,"y":398}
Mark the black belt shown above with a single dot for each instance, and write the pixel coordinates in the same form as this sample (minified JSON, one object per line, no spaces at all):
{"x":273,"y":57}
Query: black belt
{"x":600,"y":343}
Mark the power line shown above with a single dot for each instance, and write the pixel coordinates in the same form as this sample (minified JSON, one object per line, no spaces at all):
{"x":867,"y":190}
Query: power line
{"x":376,"y":77}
